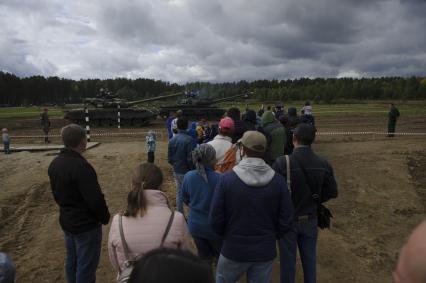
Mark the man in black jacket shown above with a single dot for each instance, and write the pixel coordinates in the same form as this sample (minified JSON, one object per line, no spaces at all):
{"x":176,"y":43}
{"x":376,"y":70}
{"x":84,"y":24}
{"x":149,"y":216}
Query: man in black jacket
{"x":82,"y":207}
{"x":312,"y":182}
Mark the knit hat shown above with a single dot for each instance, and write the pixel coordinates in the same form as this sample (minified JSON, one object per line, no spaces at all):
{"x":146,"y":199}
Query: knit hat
{"x":7,"y":269}
{"x":202,"y":156}
{"x":254,"y":140}
{"x":226,"y":123}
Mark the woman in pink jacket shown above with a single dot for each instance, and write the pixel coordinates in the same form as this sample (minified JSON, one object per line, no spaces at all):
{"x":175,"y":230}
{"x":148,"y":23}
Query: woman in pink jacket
{"x":146,"y":219}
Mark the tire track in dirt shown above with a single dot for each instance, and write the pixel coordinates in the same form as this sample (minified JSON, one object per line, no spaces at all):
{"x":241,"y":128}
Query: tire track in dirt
{"x":21,"y":215}
{"x":416,"y":167}
{"x":26,"y":234}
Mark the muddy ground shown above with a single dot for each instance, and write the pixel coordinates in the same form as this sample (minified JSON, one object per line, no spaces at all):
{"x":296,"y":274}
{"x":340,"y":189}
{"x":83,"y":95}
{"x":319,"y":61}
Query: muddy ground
{"x":381,"y":181}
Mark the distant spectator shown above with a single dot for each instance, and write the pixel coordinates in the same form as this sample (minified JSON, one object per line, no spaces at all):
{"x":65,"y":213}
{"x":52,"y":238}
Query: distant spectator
{"x":145,"y":220}
{"x":223,"y":141}
{"x":412,"y":258}
{"x":292,"y":117}
{"x":192,"y":132}
{"x":45,"y":124}
{"x":203,"y":130}
{"x":291,"y":123}
{"x":239,"y":126}
{"x":171,"y":265}
{"x":179,"y":154}
{"x":307,"y":108}
{"x":214,"y":131}
{"x":279,"y":110}
{"x":261,"y":111}
{"x":150,"y":146}
{"x":393,"y":116}
{"x":275,"y":135}
{"x":250,"y":120}
{"x":174,"y":126}
{"x":307,"y":117}
{"x":312,"y":183}
{"x":82,"y":206}
{"x":7,"y":269}
{"x":169,"y":121}
{"x":251,"y":206}
{"x":197,"y":192}
{"x":6,"y":141}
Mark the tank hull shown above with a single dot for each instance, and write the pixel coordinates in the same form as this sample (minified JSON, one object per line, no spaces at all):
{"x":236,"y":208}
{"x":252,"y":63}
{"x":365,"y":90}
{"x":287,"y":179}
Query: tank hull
{"x":109,"y":116}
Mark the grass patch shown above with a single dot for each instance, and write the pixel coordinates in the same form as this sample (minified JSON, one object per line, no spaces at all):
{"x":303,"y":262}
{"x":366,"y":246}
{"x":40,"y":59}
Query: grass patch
{"x":29,"y":112}
{"x":363,"y":108}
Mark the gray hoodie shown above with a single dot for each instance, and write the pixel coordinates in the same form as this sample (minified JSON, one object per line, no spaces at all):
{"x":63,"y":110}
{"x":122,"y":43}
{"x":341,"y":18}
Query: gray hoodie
{"x":254,"y":172}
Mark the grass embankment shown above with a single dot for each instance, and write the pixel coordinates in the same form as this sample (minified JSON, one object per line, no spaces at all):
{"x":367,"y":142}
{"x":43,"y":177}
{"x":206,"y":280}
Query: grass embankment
{"x":362,"y":109}
{"x":29,"y":112}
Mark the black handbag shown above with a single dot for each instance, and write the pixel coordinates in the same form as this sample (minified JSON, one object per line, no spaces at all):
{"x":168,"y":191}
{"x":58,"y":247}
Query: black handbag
{"x":323,"y":213}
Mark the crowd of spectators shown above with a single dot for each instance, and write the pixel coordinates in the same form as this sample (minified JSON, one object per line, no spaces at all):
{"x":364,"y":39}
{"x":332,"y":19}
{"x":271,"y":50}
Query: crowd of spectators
{"x":270,"y":193}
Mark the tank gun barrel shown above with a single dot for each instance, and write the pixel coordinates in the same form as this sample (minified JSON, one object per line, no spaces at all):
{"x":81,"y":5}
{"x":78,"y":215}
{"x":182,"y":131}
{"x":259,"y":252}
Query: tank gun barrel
{"x":155,"y":98}
{"x":245,"y":95}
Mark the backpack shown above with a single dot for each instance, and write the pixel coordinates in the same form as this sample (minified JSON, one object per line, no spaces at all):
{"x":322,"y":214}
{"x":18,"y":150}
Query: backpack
{"x":229,"y":160}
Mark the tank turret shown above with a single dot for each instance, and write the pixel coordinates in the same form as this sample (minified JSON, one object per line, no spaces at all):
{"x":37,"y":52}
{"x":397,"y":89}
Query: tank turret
{"x":105,"y":107}
{"x":195,"y":107}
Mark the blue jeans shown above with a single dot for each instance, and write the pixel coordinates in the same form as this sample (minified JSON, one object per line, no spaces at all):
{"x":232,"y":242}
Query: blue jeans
{"x":229,"y":271}
{"x":83,"y":252}
{"x":208,"y":249}
{"x":178,"y":181}
{"x":304,"y":236}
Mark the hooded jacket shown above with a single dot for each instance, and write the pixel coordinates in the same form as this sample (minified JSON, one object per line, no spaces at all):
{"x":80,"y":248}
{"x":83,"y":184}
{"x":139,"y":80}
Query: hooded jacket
{"x":275,"y":135}
{"x":144,"y":233}
{"x":251,"y":207}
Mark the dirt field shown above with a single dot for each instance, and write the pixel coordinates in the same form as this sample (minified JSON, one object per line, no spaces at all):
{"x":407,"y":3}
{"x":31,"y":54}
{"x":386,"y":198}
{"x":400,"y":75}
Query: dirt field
{"x":381,"y":182}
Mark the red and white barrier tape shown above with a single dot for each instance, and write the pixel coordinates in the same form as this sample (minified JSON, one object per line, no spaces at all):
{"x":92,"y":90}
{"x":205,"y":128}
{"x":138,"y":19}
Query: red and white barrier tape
{"x":160,"y":134}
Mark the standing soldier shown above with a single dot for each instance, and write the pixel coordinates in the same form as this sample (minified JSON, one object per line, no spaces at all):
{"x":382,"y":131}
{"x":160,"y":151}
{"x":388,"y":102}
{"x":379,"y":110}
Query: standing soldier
{"x":393,"y":116}
{"x":45,"y":124}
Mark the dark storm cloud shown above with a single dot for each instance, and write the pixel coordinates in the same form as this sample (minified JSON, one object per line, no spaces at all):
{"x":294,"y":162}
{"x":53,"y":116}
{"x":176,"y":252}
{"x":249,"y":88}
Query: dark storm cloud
{"x":221,"y":40}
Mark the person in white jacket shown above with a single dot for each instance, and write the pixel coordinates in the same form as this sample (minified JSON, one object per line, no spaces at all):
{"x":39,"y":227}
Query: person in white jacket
{"x":223,"y":141}
{"x":145,"y":219}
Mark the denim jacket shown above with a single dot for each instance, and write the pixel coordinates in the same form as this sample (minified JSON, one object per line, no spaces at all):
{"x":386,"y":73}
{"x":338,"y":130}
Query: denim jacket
{"x":179,"y":152}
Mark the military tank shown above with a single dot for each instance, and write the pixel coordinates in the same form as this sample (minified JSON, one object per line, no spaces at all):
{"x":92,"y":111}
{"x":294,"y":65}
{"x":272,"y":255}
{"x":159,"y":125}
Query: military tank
{"x":104,"y":110}
{"x":197,"y":108}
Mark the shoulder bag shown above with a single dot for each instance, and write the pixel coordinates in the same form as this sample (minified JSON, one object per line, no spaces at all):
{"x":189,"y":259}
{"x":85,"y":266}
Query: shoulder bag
{"x":323,"y":213}
{"x":124,"y":275}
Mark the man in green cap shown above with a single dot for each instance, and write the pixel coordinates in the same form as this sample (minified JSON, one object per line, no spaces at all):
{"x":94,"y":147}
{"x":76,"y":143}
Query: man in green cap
{"x":393,"y":116}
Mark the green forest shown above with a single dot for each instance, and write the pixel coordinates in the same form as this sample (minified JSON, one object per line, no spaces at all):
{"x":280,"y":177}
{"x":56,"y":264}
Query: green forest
{"x":38,"y":90}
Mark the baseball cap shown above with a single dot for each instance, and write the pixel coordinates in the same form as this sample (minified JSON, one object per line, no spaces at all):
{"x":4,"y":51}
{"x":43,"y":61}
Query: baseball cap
{"x":254,"y":140}
{"x":226,"y":123}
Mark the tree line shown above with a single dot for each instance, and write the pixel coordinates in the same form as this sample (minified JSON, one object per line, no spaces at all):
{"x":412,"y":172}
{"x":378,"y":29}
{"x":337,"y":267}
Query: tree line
{"x":38,"y":90}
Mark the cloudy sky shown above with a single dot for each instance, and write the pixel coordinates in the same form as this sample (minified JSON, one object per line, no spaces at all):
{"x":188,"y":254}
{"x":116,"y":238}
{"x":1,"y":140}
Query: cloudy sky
{"x":213,"y":40}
